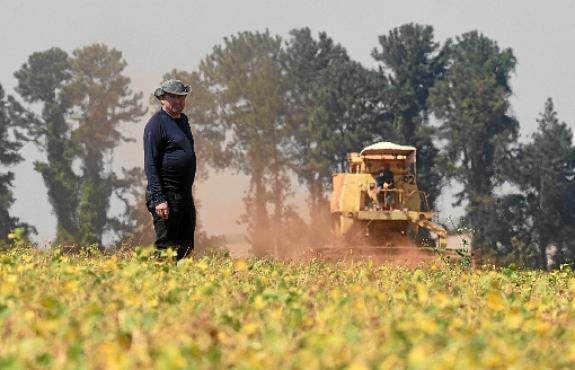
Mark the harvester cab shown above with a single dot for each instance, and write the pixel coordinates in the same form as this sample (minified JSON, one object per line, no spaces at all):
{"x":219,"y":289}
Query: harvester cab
{"x":377,"y":201}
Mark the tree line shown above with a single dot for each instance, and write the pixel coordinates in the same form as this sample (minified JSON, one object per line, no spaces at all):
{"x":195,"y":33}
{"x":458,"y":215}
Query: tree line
{"x":278,"y":108}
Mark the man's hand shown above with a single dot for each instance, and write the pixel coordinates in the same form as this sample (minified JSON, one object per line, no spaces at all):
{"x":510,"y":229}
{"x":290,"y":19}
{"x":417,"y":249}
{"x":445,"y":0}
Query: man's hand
{"x":162,"y":210}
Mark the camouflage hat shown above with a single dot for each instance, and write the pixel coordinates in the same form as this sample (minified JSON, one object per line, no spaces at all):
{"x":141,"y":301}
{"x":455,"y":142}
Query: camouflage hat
{"x":174,"y":87}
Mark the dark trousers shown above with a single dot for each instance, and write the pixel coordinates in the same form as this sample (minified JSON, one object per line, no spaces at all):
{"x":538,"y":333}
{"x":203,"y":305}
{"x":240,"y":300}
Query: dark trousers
{"x":177,"y":231}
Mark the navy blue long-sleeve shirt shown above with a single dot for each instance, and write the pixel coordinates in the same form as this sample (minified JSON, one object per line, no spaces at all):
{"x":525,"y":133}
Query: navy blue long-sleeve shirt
{"x":169,"y":157}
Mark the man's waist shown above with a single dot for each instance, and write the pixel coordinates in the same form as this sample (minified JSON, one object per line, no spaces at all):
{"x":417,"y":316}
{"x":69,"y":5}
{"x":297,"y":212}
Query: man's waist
{"x":169,"y":195}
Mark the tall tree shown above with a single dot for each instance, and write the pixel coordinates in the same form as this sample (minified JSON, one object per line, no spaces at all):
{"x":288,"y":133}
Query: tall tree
{"x":511,"y":227}
{"x":245,"y":77}
{"x":103,"y":101}
{"x":40,"y":81}
{"x":331,"y":104}
{"x":472,"y":104}
{"x":8,"y":156}
{"x":84,"y":99}
{"x":544,"y":170}
{"x":412,"y":62}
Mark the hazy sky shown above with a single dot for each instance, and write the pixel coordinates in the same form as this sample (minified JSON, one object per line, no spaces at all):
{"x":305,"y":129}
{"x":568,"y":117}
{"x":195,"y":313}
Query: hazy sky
{"x":156,"y":37}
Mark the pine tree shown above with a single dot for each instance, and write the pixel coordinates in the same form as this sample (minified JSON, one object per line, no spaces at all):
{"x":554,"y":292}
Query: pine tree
{"x":331,"y":104}
{"x":101,"y":96}
{"x":8,"y":156}
{"x":544,"y":170}
{"x":412,"y":62}
{"x":472,"y":104}
{"x":84,"y":98}
{"x":245,"y":77}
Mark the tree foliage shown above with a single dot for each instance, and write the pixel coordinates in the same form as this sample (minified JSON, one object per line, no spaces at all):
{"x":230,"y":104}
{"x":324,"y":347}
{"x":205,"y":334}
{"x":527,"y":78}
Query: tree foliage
{"x":472,"y":104}
{"x":8,"y":156}
{"x":244,"y":76}
{"x":84,"y":99}
{"x":412,"y":62}
{"x":331,"y":104}
{"x":102,"y":101}
{"x":543,"y":170}
{"x":40,"y":81}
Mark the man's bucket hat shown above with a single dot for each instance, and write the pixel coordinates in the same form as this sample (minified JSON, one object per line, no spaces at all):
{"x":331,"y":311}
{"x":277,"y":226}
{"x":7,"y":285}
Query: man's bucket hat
{"x":174,"y":87}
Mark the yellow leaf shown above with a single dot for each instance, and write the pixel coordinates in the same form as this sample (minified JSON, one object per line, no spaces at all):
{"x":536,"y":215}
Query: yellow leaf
{"x":241,"y":265}
{"x":441,"y":300}
{"x":514,"y":319}
{"x":360,"y":365}
{"x":422,"y":294}
{"x":495,"y":301}
{"x":250,"y":328}
{"x":276,"y":314}
{"x":259,"y":303}
{"x":428,"y":325}
{"x":202,"y":265}
{"x":72,"y":286}
{"x":417,"y":356}
{"x":172,"y":284}
{"x":542,"y":327}
{"x":29,"y":316}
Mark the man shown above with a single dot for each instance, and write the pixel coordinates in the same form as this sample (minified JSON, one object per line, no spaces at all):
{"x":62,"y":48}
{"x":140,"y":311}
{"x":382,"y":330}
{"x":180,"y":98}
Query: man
{"x":170,"y":167}
{"x":385,"y":182}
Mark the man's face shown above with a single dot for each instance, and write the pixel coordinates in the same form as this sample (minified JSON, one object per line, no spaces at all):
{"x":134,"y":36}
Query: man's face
{"x":173,"y":104}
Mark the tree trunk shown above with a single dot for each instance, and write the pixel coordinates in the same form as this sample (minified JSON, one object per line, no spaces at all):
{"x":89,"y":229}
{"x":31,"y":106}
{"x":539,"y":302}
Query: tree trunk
{"x":318,"y":213}
{"x":261,"y":228}
{"x":277,"y":198}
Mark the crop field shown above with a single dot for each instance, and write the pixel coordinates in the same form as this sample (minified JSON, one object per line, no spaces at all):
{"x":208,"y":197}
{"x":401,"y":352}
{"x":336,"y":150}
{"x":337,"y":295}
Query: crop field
{"x":134,"y":312}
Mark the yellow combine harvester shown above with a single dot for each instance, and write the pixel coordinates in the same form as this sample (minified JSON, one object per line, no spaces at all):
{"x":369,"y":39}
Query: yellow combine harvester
{"x":378,"y":210}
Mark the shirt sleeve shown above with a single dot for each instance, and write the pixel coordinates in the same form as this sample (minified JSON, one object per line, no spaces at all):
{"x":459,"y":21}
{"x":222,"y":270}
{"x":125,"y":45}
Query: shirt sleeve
{"x":153,"y":146}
